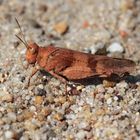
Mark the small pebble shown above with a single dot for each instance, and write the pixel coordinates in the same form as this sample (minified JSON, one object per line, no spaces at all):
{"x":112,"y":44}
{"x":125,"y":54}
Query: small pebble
{"x":9,"y":134}
{"x":12,"y":116}
{"x":2,"y":109}
{"x":68,"y":88}
{"x":122,"y":84}
{"x":115,"y":47}
{"x":43,"y":8}
{"x":110,"y":90}
{"x":28,"y":97}
{"x":61,"y":27}
{"x":123,"y":33}
{"x":137,"y":113}
{"x":38,"y":100}
{"x":116,"y":98}
{"x":1,"y":122}
{"x":81,"y":135}
{"x":40,"y":92}
{"x":109,"y":101}
{"x":32,"y":108}
{"x":108,"y":83}
{"x":124,"y":112}
{"x":29,"y":125}
{"x":58,"y":116}
{"x":50,"y":99}
{"x":46,"y":111}
{"x":79,"y":87}
{"x":82,"y":125}
{"x":40,"y":86}
{"x":126,"y":4}
{"x":27,"y":114}
{"x":85,"y":24}
{"x":100,"y":88}
{"x":94,"y":48}
{"x":2,"y":77}
{"x":7,"y":98}
{"x":61,"y":99}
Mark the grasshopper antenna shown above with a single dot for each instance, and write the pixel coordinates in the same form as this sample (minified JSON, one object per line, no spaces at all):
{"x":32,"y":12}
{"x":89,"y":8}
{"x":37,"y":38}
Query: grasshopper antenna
{"x":22,"y":40}
{"x":23,"y":36}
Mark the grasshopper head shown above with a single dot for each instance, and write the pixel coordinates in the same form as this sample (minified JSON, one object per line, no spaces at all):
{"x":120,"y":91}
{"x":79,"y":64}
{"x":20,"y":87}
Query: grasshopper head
{"x":32,"y":52}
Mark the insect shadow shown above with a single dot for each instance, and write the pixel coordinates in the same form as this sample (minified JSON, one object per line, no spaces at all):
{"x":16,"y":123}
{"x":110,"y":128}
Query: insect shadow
{"x":96,"y":80}
{"x":132,"y":79}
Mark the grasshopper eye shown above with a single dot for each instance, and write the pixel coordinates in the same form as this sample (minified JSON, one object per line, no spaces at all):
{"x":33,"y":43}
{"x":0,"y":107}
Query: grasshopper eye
{"x":32,"y":50}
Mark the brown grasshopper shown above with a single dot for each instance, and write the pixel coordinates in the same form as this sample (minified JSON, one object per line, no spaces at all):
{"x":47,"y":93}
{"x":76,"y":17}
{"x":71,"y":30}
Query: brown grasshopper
{"x":66,"y":64}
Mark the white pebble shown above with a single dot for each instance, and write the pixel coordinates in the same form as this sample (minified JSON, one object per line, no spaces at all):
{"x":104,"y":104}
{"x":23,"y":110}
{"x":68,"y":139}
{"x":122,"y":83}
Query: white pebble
{"x":137,"y":113}
{"x":100,"y":88}
{"x":122,"y":85}
{"x":95,"y":48}
{"x":79,"y":87}
{"x":71,"y":116}
{"x":81,"y":134}
{"x":28,"y":97}
{"x":2,"y":109}
{"x":9,"y":134}
{"x":109,"y":101}
{"x":5,"y":96}
{"x":115,"y":47}
{"x":32,"y":108}
{"x":68,"y":88}
{"x":82,"y":125}
{"x":40,"y":86}
{"x":124,"y":112}
{"x":110,"y":90}
{"x":12,"y":116}
{"x":116,"y":98}
{"x":90,"y":101}
{"x":81,"y":102}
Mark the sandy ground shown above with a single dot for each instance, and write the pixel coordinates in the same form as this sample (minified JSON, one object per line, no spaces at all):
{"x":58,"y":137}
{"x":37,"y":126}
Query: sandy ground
{"x":100,"y":110}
